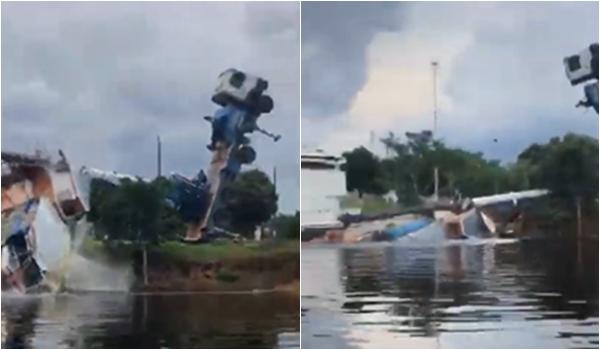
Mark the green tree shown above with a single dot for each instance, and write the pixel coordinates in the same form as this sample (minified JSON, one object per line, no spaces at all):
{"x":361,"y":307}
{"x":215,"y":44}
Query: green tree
{"x":134,"y":211}
{"x":249,"y":201}
{"x":410,"y":171}
{"x":363,"y":172}
{"x":519,"y":175}
{"x":568,"y":167}
{"x":286,"y":226}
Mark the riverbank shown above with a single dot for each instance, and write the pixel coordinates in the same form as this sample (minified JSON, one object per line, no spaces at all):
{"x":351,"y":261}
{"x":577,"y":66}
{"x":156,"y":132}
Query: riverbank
{"x":218,"y":266}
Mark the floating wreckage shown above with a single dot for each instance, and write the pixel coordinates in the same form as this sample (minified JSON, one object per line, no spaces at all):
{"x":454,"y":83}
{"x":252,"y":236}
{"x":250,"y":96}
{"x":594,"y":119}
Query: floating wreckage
{"x":41,"y":203}
{"x":497,"y":215}
{"x":395,"y":232}
{"x":482,"y":217}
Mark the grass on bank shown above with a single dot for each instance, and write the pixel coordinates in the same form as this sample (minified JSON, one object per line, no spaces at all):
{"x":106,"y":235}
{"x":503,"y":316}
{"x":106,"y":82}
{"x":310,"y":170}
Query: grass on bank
{"x":368,"y":204}
{"x":226,"y":250}
{"x":184,"y":252}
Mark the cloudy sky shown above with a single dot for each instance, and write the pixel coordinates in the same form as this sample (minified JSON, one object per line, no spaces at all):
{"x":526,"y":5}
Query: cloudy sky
{"x":101,"y":80}
{"x":366,"y":67}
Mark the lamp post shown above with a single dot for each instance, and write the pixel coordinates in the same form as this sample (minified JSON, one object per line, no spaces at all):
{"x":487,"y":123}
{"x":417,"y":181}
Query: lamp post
{"x":158,"y":156}
{"x":434,"y":67}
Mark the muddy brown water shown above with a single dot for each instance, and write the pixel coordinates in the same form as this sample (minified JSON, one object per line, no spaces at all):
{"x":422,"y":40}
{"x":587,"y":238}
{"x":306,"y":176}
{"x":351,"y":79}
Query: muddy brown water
{"x":152,"y":320}
{"x":477,"y":294}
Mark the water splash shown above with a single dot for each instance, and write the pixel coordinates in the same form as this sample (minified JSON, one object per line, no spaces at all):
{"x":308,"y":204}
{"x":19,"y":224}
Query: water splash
{"x":85,"y":274}
{"x":58,"y":251}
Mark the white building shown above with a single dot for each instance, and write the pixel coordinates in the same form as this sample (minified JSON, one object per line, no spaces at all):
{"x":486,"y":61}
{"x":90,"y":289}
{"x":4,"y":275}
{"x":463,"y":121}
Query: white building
{"x":323,"y":183}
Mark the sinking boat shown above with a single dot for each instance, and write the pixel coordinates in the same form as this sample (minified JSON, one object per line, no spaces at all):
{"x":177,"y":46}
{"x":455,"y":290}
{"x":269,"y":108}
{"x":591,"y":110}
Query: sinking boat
{"x":396,"y":232}
{"x":40,"y":199}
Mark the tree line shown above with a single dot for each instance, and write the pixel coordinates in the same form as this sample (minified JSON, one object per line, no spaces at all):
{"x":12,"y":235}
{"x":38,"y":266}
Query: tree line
{"x":139,"y":211}
{"x":567,"y":166}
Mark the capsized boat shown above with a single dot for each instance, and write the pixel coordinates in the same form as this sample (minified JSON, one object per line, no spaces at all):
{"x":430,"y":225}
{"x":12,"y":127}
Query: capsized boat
{"x":395,"y":232}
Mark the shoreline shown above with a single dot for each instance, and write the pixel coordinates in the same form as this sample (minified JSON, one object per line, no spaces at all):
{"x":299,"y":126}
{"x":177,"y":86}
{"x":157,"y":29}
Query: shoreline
{"x":227,"y":267}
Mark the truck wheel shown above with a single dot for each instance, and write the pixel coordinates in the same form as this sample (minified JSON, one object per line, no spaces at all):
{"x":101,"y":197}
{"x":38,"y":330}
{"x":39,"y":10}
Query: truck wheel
{"x":265,"y":104}
{"x":246,"y":154}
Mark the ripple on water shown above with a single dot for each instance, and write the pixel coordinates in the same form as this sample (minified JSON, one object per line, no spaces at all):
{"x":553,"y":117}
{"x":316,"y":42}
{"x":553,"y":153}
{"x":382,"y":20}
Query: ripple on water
{"x":461,"y":296}
{"x":125,"y":320}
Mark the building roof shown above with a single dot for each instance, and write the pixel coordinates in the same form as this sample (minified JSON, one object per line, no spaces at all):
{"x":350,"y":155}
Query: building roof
{"x":319,"y":159}
{"x":109,"y":176}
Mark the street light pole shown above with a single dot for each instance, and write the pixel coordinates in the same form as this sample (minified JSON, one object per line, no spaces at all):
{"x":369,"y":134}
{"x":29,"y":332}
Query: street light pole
{"x":158,"y":156}
{"x":434,"y":67}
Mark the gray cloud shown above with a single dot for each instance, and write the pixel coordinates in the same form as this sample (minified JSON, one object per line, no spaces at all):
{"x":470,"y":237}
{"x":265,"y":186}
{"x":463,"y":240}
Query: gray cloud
{"x":101,"y":80}
{"x":335,"y":36}
{"x":501,"y":74}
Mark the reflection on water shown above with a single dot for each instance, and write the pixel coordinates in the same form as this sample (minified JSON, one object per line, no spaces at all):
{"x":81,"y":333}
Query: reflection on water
{"x":121,"y":320}
{"x":515,"y":294}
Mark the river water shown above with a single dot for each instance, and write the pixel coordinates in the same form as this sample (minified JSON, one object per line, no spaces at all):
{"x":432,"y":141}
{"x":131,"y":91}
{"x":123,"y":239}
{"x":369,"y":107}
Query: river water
{"x":472,"y":294}
{"x":172,"y":320}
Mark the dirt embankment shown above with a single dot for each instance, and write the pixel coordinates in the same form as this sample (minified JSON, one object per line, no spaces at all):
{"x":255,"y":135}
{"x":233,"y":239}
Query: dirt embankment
{"x":176,"y":266}
{"x":277,"y":271}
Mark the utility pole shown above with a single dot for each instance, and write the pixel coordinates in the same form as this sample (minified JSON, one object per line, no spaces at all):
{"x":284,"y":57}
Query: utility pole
{"x":158,"y":156}
{"x":579,"y":234}
{"x":436,"y":182}
{"x":434,"y":67}
{"x":579,"y":218}
{"x":275,"y":179}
